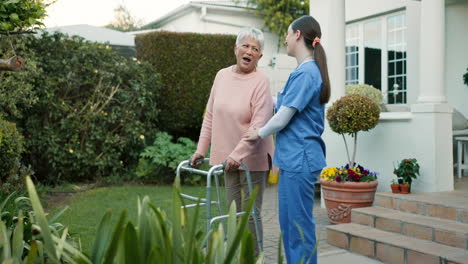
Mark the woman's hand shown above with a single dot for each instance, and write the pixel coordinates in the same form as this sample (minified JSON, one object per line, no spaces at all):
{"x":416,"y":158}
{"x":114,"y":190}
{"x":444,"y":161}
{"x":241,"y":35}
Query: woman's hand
{"x":196,"y":156}
{"x":231,"y":165}
{"x":251,"y":135}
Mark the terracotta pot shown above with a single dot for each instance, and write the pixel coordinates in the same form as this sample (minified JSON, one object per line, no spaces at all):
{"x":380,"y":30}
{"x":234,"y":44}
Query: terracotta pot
{"x":405,"y":189}
{"x":395,"y":188}
{"x":341,"y":197}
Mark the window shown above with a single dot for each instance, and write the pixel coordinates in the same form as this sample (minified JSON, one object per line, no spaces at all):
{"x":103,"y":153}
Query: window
{"x":380,"y":45}
{"x":352,"y":55}
{"x":396,"y":59}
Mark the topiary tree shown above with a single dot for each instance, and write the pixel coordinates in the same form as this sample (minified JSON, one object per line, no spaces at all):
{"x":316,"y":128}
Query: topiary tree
{"x":19,"y":17}
{"x":351,"y":114}
{"x":365,"y":90}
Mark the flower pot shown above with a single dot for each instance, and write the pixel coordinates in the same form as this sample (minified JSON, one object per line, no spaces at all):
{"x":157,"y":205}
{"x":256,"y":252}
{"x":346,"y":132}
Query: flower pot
{"x":395,"y":188}
{"x":405,"y":189}
{"x":341,"y":197}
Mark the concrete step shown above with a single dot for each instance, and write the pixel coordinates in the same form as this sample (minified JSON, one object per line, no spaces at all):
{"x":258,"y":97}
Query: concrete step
{"x":390,"y":247}
{"x":444,"y":205}
{"x":442,"y":231}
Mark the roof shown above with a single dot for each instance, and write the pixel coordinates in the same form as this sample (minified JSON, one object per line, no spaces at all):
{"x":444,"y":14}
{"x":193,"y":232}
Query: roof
{"x":96,"y":34}
{"x":232,"y":5}
{"x":235,"y":4}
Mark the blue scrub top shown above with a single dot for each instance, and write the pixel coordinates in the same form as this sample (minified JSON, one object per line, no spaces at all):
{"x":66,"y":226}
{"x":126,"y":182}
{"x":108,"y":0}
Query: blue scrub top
{"x":300,"y":143}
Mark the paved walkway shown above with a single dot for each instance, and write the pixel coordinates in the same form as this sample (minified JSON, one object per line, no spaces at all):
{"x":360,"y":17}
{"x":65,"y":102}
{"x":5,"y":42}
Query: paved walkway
{"x":327,"y":254}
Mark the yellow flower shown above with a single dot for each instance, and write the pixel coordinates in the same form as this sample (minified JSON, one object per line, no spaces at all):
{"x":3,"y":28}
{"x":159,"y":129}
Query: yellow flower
{"x":329,"y":174}
{"x":70,"y":150}
{"x":142,"y":137}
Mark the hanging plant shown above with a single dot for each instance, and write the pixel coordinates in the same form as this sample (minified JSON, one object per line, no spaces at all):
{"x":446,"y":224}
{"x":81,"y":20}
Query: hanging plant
{"x":465,"y":77}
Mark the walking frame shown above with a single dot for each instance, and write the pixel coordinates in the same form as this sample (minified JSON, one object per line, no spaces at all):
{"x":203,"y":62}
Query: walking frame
{"x":215,"y":171}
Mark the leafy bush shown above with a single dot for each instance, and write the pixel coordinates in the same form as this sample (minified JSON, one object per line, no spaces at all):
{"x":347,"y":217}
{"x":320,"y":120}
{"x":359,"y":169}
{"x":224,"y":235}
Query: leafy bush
{"x":16,"y":93}
{"x":365,"y":90}
{"x":187,"y":73}
{"x":351,"y":114}
{"x":156,"y":237}
{"x":92,"y":107}
{"x":277,"y":15}
{"x":158,"y":163}
{"x":21,"y":14}
{"x":12,"y":171}
{"x":17,"y":224}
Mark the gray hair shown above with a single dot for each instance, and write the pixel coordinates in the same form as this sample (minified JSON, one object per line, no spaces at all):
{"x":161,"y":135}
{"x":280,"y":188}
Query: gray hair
{"x":253,"y":33}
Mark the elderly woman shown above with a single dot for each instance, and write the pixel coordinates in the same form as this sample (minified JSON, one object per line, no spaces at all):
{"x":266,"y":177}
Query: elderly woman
{"x":240,"y":100}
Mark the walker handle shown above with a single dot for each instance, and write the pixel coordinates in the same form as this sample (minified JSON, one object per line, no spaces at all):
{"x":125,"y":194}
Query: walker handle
{"x":202,"y":160}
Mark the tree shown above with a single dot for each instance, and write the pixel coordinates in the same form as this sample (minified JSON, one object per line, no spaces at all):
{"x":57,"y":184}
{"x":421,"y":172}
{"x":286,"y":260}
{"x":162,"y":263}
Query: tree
{"x":123,"y":20}
{"x":19,"y":17}
{"x":278,"y":14}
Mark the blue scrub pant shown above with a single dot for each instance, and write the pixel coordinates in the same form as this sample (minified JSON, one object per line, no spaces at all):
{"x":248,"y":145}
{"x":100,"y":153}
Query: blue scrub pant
{"x":296,"y":204}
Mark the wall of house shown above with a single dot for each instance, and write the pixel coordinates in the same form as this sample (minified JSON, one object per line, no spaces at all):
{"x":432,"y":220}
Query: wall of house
{"x":456,"y":17}
{"x":355,"y":10}
{"x":420,"y":132}
{"x":230,"y":22}
{"x":392,"y":140}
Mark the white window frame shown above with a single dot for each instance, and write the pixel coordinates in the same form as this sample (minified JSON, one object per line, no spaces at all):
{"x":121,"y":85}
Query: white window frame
{"x":354,"y":53}
{"x":384,"y":59}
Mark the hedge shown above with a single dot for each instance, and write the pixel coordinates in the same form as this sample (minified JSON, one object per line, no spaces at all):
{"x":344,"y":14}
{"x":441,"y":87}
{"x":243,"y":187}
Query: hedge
{"x":188,"y":63}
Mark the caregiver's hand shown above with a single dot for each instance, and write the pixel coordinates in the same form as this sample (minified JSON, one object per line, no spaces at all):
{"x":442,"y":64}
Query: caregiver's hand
{"x":251,"y":135}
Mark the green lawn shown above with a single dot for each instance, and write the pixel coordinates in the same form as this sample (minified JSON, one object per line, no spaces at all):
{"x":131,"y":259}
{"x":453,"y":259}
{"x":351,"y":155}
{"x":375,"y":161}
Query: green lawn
{"x":87,"y":208}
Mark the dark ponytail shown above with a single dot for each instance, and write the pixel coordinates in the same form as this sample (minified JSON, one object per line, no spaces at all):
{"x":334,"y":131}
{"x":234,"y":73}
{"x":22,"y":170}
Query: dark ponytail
{"x":310,"y":29}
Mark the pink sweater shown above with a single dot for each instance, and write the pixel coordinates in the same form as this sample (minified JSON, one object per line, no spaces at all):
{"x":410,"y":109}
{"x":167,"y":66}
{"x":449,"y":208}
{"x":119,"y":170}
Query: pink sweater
{"x":237,"y":103}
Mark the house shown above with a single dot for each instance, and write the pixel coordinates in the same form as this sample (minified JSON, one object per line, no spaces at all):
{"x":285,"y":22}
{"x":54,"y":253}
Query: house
{"x":123,"y":43}
{"x":415,"y":53}
{"x":227,"y":17}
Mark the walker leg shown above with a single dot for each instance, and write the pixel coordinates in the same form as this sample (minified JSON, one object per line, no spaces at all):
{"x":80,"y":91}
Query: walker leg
{"x":254,"y":210}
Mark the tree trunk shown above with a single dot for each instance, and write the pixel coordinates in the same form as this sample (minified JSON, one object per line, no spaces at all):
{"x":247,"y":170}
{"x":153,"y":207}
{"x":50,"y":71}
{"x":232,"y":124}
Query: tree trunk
{"x":14,"y":63}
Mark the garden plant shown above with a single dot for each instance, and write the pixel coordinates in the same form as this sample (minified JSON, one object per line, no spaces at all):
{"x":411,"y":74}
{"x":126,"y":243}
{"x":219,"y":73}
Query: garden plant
{"x":351,"y":114}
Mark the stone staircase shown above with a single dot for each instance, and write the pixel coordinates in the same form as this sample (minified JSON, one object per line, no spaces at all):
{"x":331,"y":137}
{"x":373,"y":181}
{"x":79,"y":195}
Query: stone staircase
{"x":408,"y":228}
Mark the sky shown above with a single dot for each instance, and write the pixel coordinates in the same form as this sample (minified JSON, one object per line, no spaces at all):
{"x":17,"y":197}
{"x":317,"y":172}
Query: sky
{"x":101,"y":12}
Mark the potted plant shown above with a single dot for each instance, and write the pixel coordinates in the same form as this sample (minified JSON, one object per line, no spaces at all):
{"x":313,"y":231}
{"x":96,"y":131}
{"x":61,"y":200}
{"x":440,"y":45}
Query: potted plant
{"x":350,"y":186}
{"x":407,"y":170}
{"x":395,"y":186}
{"x":405,"y":187}
{"x":345,"y":188}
